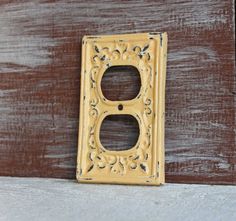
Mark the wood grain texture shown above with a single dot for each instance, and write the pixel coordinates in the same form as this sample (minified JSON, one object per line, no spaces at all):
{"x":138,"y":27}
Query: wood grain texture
{"x":40,"y":48}
{"x":125,"y":82}
{"x":119,"y":132}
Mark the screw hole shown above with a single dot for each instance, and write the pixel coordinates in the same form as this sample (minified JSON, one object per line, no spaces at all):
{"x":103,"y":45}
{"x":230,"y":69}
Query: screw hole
{"x":120,"y":107}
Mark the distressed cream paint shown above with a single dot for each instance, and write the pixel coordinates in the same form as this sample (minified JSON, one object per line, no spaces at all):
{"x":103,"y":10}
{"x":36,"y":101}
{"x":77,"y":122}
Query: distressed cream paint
{"x":144,"y":163}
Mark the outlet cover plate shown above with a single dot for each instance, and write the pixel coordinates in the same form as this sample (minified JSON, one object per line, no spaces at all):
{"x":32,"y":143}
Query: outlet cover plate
{"x":144,"y":163}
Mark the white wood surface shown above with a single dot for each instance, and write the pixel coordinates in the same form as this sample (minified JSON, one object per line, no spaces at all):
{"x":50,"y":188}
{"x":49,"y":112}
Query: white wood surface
{"x":56,"y":199}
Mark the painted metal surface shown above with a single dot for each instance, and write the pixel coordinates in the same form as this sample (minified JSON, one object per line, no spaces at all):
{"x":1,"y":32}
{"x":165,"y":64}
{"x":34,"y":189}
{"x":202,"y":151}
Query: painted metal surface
{"x":40,"y":58}
{"x":144,"y":162}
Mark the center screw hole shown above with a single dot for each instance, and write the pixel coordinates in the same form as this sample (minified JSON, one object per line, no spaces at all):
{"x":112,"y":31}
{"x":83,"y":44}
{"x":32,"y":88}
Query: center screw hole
{"x":120,"y":107}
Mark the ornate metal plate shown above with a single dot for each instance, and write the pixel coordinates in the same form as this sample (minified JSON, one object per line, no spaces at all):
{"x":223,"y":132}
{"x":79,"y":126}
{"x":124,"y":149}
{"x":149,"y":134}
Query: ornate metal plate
{"x":144,"y":163}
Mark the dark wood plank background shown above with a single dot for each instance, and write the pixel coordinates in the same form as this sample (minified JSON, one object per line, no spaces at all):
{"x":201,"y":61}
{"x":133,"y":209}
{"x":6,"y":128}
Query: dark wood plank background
{"x":40,"y":53}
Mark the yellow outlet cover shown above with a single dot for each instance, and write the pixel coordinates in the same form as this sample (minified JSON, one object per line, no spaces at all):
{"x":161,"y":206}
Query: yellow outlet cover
{"x":144,"y":163}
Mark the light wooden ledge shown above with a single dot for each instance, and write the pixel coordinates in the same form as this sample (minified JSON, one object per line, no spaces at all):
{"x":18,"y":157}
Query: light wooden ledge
{"x":58,"y":199}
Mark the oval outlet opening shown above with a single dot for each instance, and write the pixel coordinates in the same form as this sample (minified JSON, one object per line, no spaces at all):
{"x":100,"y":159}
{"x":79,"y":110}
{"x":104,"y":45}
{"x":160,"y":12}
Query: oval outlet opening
{"x":119,"y":132}
{"x":121,"y":83}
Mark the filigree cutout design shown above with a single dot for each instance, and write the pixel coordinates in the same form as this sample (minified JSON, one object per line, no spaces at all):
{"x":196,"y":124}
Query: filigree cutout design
{"x":138,"y":165}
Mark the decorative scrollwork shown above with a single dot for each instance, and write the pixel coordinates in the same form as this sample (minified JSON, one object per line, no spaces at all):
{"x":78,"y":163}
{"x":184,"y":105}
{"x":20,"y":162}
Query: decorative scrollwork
{"x":138,"y":159}
{"x":147,"y":106}
{"x":93,"y":105}
{"x":118,"y":164}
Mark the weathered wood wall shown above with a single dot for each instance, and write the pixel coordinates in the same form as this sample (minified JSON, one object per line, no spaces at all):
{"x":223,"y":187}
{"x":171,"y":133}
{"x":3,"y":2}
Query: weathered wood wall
{"x":40,"y":48}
